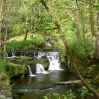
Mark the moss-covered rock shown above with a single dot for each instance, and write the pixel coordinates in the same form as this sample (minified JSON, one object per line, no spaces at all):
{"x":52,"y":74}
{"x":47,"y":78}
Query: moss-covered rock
{"x":21,"y":58}
{"x":44,"y":62}
{"x":14,"y":69}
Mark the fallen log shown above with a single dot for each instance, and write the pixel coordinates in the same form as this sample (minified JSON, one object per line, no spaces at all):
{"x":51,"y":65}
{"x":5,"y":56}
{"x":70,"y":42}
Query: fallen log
{"x":71,"y":82}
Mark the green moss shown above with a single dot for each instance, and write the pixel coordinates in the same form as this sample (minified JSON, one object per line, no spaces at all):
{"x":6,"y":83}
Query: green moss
{"x":44,"y":62}
{"x":2,"y":68}
{"x":14,"y":69}
{"x":23,"y":58}
{"x":30,"y":43}
{"x":4,"y":78}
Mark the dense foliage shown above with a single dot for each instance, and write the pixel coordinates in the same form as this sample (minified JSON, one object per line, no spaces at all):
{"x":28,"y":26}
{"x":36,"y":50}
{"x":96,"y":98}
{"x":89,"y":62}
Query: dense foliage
{"x":26,"y":25}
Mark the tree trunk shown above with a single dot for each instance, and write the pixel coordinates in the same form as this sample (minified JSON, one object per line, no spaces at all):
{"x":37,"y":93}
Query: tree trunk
{"x":1,"y":4}
{"x":69,"y":51}
{"x":78,"y":31}
{"x":25,"y":37}
{"x":5,"y":39}
{"x":92,"y":25}
{"x":97,"y":48}
{"x":26,"y":33}
{"x":77,"y":21}
{"x":80,"y":17}
{"x":81,"y":21}
{"x":91,"y":18}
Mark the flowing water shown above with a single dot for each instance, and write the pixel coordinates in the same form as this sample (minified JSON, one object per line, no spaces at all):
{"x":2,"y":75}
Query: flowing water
{"x":42,"y":82}
{"x":38,"y":86}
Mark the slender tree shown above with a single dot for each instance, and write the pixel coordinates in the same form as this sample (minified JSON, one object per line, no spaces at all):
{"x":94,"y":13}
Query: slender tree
{"x":97,"y":50}
{"x":91,"y":18}
{"x":92,"y":25}
{"x":69,"y":52}
{"x":1,"y":5}
{"x":6,"y":18}
{"x":77,"y":20}
{"x":5,"y":41}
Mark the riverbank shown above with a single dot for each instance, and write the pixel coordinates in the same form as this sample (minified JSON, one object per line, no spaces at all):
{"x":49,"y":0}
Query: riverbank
{"x":5,"y":87}
{"x":5,"y":91}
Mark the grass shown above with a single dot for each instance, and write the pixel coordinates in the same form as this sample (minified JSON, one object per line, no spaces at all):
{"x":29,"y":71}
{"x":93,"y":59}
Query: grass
{"x":3,"y":76}
{"x":18,"y":43}
{"x":2,"y":68}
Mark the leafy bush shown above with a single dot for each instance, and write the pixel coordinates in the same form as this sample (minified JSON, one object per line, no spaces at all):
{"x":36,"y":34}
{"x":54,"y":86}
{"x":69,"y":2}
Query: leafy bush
{"x":16,"y":45}
{"x":18,"y":29}
{"x":69,"y":95}
{"x":78,"y":49}
{"x":3,"y":76}
{"x":13,"y":69}
{"x":85,"y":94}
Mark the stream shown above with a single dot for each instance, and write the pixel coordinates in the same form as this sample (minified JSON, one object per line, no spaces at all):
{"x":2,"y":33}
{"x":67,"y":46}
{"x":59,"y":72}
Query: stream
{"x":40,"y":82}
{"x":36,"y":87}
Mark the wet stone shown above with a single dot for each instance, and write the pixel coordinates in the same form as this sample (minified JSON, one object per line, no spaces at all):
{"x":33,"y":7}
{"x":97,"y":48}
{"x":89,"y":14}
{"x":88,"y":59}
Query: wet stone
{"x":2,"y":97}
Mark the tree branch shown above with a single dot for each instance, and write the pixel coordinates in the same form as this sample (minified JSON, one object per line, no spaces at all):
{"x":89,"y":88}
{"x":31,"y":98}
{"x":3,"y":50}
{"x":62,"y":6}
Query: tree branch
{"x":69,"y":52}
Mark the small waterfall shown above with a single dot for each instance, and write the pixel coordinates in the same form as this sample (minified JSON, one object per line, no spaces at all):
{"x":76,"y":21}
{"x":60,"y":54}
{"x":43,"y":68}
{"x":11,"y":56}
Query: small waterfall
{"x":40,"y":54}
{"x":6,"y":54}
{"x":40,"y":68}
{"x":13,"y":54}
{"x":54,"y":65}
{"x":54,"y":61}
{"x":10,"y":55}
{"x":30,"y":71}
{"x":52,"y":57}
{"x":47,"y":44}
{"x":21,"y":54}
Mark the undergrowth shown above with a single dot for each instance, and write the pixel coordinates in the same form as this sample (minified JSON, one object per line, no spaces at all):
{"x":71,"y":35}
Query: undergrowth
{"x":84,"y":94}
{"x":3,"y":76}
{"x":2,"y":68}
{"x":13,"y":69}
